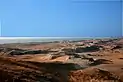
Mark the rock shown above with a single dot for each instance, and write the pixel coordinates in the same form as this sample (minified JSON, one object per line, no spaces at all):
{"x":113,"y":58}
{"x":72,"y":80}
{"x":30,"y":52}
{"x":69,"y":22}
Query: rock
{"x":100,"y":61}
{"x":69,"y":51}
{"x":16,"y":51}
{"x":87,"y":49}
{"x":116,"y":47}
{"x":77,"y":56}
{"x":91,"y":60}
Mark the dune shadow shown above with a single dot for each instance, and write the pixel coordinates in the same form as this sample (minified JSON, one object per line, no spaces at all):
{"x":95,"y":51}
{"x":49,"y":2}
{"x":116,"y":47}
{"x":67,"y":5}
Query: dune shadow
{"x":100,"y":61}
{"x":56,"y":69}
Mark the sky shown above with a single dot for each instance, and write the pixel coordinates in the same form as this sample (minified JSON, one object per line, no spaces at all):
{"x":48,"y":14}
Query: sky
{"x":122,"y":17}
{"x":60,"y":18}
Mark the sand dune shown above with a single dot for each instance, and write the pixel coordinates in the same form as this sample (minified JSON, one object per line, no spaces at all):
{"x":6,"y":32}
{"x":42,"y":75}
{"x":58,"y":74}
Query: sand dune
{"x":63,"y":63}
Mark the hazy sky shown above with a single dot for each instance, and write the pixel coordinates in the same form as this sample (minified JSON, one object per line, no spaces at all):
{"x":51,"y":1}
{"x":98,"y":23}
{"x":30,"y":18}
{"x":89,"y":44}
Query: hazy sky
{"x":61,"y":18}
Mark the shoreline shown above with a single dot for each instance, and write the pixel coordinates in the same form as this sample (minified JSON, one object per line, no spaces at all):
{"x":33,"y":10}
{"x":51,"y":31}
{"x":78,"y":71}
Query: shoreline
{"x":9,"y":40}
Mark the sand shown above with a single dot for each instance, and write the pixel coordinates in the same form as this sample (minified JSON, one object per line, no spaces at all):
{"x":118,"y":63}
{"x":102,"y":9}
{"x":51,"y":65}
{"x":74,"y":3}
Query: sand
{"x":103,"y":65}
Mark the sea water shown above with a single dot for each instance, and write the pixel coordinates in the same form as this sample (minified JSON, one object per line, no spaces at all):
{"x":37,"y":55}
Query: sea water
{"x":4,"y":40}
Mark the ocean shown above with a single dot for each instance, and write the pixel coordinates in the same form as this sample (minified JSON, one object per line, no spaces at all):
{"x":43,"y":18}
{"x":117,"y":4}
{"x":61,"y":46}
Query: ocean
{"x":4,"y":40}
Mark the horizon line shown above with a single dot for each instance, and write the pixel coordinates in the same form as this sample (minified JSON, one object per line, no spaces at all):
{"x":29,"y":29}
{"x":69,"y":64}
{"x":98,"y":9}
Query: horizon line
{"x":49,"y":37}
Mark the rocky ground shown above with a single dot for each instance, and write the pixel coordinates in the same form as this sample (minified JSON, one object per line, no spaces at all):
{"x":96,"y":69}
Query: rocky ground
{"x":99,"y":60}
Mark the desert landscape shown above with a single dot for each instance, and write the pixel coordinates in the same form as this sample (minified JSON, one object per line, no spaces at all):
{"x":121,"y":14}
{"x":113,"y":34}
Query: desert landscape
{"x":93,"y":60}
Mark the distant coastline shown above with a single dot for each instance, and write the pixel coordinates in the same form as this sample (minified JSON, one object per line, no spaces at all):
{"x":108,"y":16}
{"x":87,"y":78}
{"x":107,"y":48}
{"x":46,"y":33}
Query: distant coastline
{"x":4,"y":40}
